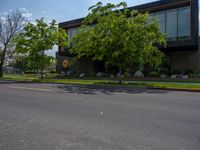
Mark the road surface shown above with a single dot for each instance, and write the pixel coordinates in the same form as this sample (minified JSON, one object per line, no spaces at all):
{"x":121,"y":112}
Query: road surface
{"x":64,"y":117}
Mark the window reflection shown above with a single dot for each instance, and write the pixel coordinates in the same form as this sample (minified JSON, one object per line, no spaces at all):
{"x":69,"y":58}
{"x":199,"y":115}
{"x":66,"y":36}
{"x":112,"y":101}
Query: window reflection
{"x":175,"y":23}
{"x":161,"y":20}
{"x":183,"y":23}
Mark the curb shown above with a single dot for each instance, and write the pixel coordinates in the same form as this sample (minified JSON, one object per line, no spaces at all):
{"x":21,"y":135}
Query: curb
{"x":107,"y":86}
{"x":180,"y":90}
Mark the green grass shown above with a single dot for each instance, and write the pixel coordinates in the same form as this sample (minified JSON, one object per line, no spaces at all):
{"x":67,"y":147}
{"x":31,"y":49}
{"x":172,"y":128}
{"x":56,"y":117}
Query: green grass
{"x":17,"y":77}
{"x":190,"y":84}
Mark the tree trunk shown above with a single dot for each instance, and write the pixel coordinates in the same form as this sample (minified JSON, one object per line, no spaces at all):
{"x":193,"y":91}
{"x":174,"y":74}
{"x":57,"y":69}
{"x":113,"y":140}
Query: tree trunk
{"x":2,"y":58}
{"x":42,"y":71}
{"x":120,"y":74}
{"x":1,"y":70}
{"x":42,"y":67}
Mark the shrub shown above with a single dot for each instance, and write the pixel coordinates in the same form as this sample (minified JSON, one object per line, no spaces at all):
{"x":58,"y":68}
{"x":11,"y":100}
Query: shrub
{"x":164,"y":71}
{"x":193,"y":75}
{"x":155,"y":74}
{"x":52,"y":71}
{"x":90,"y":75}
{"x":189,"y":71}
{"x":127,"y":74}
{"x":176,"y":72}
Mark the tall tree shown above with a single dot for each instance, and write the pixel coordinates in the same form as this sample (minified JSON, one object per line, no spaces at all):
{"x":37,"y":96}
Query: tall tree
{"x":10,"y":25}
{"x":120,"y":37}
{"x":37,"y":39}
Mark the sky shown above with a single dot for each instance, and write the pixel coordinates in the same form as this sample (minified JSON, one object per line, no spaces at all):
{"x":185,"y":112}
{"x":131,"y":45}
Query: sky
{"x":60,"y":10}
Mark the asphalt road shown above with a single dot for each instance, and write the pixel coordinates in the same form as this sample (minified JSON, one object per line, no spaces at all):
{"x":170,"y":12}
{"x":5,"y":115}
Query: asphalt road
{"x":63,"y":117}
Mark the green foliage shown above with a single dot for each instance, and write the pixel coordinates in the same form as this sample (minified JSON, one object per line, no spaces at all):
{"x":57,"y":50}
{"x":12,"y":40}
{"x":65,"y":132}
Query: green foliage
{"x":38,"y":38}
{"x":189,"y":71}
{"x":18,"y":62}
{"x":176,"y":72}
{"x":117,"y":39}
{"x":28,"y":63}
{"x":164,"y":71}
{"x":155,"y":74}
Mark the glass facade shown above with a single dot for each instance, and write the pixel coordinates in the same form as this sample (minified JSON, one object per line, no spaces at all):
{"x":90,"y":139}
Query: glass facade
{"x":171,"y":24}
{"x":175,"y":23}
{"x":161,"y":20}
{"x":183,"y":23}
{"x":72,"y":32}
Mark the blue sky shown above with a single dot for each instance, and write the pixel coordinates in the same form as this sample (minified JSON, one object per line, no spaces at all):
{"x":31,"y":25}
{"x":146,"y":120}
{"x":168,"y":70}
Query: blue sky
{"x":61,"y":10}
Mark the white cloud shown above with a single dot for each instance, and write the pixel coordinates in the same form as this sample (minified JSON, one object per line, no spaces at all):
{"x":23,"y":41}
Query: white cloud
{"x":33,"y":22}
{"x":3,"y":19}
{"x":5,"y":13}
{"x":22,"y":9}
{"x":27,"y":15}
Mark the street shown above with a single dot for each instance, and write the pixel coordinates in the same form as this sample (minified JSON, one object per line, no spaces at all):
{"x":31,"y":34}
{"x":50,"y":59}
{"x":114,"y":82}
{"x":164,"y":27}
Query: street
{"x":66,"y":117}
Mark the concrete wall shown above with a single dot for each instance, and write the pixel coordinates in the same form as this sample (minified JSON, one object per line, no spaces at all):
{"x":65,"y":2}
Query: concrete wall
{"x":83,"y":65}
{"x":184,"y":60}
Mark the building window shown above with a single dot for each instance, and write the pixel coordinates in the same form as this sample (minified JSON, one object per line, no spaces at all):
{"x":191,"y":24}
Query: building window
{"x":175,"y":23}
{"x":161,"y":20}
{"x":184,"y":30}
{"x":171,"y":24}
{"x":72,"y":32}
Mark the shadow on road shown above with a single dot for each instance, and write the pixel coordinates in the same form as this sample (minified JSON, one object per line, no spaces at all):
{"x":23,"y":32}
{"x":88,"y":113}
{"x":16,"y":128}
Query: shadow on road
{"x":88,"y":89}
{"x":96,"y":89}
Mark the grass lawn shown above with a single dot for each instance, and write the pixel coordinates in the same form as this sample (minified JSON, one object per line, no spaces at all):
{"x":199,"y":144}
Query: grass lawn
{"x":189,"y":84}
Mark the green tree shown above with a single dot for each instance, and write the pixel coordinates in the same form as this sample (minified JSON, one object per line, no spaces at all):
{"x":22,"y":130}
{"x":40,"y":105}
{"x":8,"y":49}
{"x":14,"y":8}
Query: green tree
{"x":39,"y":38}
{"x":29,"y":63}
{"x":120,"y":37}
{"x":19,"y":62}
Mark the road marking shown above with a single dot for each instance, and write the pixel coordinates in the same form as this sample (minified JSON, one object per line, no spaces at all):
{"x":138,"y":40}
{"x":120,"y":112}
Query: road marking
{"x":29,"y":88}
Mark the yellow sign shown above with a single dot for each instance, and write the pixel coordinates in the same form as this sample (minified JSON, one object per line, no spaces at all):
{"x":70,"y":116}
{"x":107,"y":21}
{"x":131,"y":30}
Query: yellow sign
{"x":65,"y":63}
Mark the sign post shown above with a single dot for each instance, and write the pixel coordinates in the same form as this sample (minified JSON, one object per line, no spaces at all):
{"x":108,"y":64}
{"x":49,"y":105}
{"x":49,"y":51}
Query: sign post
{"x":65,"y":64}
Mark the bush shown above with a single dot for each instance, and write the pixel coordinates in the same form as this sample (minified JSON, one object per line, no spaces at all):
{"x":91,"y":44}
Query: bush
{"x":127,"y":74}
{"x":30,"y":72}
{"x":194,"y":75}
{"x":90,"y":75}
{"x":155,"y":74}
{"x":52,"y":71}
{"x":164,"y":71}
{"x":176,"y":72}
{"x":189,"y":71}
{"x":31,"y":75}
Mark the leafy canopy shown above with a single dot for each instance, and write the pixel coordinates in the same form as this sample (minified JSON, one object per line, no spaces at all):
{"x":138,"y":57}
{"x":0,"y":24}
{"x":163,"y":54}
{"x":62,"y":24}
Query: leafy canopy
{"x":38,"y":38}
{"x":120,"y":36}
